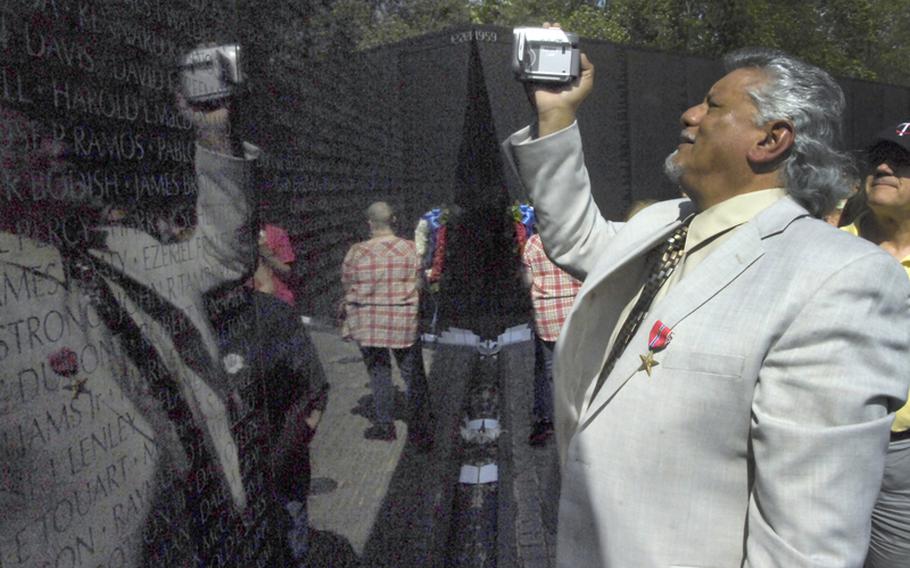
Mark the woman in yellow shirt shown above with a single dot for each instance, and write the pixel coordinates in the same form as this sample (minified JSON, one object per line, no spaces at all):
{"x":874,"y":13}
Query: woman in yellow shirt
{"x":884,"y":219}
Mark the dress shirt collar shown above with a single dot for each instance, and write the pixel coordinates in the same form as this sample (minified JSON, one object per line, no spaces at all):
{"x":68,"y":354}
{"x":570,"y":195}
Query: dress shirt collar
{"x":728,"y":214}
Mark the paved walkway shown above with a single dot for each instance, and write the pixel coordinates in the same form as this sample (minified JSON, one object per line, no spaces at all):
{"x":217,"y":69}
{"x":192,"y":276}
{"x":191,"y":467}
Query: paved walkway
{"x":383,"y":502}
{"x":377,"y":504}
{"x":530,"y":475}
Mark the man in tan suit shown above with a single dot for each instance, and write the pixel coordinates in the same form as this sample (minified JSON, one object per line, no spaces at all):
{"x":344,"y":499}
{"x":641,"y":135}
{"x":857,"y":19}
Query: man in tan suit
{"x":743,"y":421}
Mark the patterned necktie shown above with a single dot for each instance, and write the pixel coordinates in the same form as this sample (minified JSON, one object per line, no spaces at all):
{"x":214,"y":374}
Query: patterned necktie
{"x":662,"y":261}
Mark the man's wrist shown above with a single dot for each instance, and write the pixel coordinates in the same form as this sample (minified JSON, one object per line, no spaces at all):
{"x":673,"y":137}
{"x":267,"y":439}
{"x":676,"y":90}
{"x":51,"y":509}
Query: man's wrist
{"x":554,"y":120}
{"x":215,"y":142}
{"x":214,"y":132}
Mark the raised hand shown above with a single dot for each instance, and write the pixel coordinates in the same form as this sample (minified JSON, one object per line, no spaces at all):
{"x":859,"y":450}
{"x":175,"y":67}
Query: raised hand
{"x":213,"y":125}
{"x":556,"y":106}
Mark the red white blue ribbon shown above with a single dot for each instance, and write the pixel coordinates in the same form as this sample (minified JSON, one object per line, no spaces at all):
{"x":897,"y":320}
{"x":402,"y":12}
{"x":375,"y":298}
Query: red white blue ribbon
{"x":660,"y":336}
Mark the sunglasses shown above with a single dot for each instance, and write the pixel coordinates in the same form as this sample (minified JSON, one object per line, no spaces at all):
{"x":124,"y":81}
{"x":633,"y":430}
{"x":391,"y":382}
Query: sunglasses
{"x":890,"y":154}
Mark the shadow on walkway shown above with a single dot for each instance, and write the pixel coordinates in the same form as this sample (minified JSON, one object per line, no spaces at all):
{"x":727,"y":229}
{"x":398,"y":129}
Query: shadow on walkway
{"x":329,"y":550}
{"x":412,"y":524}
{"x":366,"y":406}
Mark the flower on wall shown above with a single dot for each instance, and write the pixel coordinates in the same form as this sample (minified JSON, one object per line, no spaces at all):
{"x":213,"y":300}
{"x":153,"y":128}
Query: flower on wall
{"x":233,"y":363}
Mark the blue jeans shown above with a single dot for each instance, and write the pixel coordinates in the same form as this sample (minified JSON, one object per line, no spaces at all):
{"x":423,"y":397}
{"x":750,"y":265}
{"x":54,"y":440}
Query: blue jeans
{"x":410,"y":364}
{"x":543,"y":379}
{"x":298,"y":529}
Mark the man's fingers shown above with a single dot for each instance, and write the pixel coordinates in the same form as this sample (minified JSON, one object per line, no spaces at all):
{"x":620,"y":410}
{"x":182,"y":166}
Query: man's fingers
{"x":182,"y":105}
{"x":586,"y":63}
{"x":587,"y":68}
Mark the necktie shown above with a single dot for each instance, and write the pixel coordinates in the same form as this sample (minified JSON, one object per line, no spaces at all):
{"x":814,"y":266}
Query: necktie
{"x":662,"y":261}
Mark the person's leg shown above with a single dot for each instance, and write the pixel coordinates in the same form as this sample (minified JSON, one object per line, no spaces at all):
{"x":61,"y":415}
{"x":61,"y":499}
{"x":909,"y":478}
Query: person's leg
{"x":379,"y":366}
{"x":297,"y":526}
{"x":543,"y":391}
{"x":410,"y":363}
{"x":890,"y":540}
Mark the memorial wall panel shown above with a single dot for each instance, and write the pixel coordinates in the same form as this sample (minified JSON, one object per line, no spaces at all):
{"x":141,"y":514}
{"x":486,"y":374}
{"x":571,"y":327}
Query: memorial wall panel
{"x":657,"y":97}
{"x":434,"y":82}
{"x":123,"y":440}
{"x":606,"y":125}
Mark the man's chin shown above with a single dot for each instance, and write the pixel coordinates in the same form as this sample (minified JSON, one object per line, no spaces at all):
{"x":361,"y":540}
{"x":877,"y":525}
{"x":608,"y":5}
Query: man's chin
{"x":672,"y":169}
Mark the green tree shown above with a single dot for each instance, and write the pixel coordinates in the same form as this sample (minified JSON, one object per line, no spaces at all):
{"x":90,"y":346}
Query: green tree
{"x":889,"y":56}
{"x":391,"y":21}
{"x":858,"y":38}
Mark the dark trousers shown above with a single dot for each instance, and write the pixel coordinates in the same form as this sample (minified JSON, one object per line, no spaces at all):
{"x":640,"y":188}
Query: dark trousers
{"x":410,"y":364}
{"x":543,"y":379}
{"x":890,"y":540}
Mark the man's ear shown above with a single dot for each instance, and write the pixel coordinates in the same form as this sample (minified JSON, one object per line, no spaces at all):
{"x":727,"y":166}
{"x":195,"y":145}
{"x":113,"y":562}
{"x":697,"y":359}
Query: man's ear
{"x":775,"y":145}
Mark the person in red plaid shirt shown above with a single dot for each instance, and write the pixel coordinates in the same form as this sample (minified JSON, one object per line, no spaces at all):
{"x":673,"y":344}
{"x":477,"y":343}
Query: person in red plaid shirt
{"x":380,"y":277}
{"x":552,"y":294}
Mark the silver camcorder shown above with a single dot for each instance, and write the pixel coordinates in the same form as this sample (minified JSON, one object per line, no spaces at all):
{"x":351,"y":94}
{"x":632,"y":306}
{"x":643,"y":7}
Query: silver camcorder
{"x":545,"y":55}
{"x":209,"y":74}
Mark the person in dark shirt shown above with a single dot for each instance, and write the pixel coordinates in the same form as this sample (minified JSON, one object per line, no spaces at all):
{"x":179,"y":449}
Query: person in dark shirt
{"x":277,"y":369}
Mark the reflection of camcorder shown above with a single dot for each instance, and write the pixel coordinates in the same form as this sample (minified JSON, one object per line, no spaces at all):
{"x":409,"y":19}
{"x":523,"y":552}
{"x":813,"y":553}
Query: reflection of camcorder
{"x":211,"y":73}
{"x":545,"y":55}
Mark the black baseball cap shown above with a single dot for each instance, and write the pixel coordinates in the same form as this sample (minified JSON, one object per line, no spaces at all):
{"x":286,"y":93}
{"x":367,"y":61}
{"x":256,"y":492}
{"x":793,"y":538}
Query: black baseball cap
{"x":898,"y":134}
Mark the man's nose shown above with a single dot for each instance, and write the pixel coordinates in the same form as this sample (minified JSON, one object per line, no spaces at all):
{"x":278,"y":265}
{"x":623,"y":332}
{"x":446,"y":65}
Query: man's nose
{"x":884,"y":167}
{"x":692,"y":115}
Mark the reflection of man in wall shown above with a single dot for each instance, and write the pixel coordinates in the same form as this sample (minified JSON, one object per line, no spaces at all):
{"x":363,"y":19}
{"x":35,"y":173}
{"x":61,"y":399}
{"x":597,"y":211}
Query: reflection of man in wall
{"x":552,"y":294}
{"x":885,"y":221}
{"x":728,"y":374}
{"x":115,"y":443}
{"x":380,"y":280}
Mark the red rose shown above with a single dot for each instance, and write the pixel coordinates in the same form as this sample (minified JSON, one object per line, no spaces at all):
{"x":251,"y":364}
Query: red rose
{"x":64,"y":362}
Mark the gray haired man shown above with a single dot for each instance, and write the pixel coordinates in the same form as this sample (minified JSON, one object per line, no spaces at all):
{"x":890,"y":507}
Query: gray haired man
{"x":725,"y":383}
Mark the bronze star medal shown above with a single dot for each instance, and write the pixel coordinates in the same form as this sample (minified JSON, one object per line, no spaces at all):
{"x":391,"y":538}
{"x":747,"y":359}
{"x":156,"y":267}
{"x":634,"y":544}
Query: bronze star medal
{"x":78,"y":387}
{"x":657,"y":340}
{"x":647,"y":361}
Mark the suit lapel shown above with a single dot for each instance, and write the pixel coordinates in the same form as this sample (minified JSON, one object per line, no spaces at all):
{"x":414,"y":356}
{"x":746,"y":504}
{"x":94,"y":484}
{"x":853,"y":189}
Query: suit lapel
{"x":586,"y":345}
{"x":627,"y":252}
{"x":629,"y":243}
{"x":712,"y":275}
